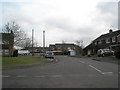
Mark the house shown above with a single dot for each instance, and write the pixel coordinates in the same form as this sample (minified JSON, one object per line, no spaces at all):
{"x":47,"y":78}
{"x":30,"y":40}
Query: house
{"x":109,"y":40}
{"x":65,"y":48}
{"x":6,"y":44}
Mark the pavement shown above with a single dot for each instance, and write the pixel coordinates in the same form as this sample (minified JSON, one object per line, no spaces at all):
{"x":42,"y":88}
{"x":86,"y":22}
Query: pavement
{"x":68,"y":72}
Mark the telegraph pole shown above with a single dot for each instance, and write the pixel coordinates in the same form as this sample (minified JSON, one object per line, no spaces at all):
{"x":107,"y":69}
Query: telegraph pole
{"x":32,"y":41}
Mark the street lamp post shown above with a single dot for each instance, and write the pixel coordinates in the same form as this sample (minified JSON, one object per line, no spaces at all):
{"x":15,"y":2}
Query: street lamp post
{"x":32,"y":41}
{"x":43,"y":41}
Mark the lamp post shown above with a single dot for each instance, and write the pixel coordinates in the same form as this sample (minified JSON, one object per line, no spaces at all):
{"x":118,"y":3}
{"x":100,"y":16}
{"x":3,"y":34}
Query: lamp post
{"x":32,"y":41}
{"x":43,"y":38}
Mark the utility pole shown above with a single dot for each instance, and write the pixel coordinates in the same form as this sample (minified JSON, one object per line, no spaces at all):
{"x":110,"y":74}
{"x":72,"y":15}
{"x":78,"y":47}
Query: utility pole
{"x":32,"y":41}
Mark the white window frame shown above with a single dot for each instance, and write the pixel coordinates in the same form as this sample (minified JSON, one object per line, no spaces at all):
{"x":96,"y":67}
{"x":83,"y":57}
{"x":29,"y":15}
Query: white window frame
{"x":108,"y":40}
{"x":8,"y":51}
{"x":113,"y":39}
{"x":1,"y":51}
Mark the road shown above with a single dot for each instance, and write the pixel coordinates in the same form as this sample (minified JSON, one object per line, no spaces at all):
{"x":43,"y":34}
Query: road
{"x":68,"y":72}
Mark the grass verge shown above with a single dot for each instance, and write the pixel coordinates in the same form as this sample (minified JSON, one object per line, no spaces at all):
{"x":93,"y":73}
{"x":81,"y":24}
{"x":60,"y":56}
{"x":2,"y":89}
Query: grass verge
{"x":10,"y":61}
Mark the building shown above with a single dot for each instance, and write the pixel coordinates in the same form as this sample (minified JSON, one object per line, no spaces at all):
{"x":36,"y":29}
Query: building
{"x":109,"y":40}
{"x":65,"y":48}
{"x":6,"y":44}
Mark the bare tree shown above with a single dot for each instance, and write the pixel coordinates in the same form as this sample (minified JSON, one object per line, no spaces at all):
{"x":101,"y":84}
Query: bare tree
{"x":15,"y":28}
{"x":80,"y":43}
{"x":20,"y":37}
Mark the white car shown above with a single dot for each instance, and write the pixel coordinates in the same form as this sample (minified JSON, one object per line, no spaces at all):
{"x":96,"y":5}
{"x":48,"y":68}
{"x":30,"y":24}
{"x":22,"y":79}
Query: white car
{"x":105,"y":52}
{"x":23,"y":52}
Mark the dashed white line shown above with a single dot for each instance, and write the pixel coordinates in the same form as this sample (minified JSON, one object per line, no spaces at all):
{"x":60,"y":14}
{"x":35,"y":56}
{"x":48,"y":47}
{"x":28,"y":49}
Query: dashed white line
{"x":56,"y":76}
{"x":5,"y":76}
{"x":20,"y":76}
{"x":81,"y":61}
{"x":39,"y":76}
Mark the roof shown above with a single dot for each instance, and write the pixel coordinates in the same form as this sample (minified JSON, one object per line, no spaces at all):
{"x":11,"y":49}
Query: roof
{"x":64,"y":44}
{"x":103,"y":36}
{"x":108,"y":35}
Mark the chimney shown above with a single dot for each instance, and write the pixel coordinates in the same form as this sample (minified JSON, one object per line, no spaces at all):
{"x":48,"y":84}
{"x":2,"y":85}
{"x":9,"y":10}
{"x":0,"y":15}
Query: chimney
{"x":110,"y":31}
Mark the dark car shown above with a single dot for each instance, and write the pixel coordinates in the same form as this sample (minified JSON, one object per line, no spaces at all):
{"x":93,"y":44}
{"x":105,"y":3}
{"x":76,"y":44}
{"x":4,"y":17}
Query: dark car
{"x":105,"y":52}
{"x":49,"y":54}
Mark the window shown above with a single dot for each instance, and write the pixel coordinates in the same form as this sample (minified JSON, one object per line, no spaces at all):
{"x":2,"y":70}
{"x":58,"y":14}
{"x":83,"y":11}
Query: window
{"x":95,"y":43}
{"x":1,"y":41}
{"x":5,"y":42}
{"x":6,"y":51}
{"x":100,"y":42}
{"x":1,"y":52}
{"x":107,"y":40}
{"x":113,"y":39}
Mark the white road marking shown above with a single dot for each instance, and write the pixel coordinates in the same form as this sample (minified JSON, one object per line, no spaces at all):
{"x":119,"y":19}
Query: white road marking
{"x":96,"y":69}
{"x":55,"y":75}
{"x":5,"y":76}
{"x":108,"y":73}
{"x":105,"y":73}
{"x":20,"y":76}
{"x":39,"y":76}
{"x":81,"y":61}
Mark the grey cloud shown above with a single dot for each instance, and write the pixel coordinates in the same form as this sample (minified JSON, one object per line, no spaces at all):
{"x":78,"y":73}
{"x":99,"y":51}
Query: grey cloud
{"x":109,"y":12}
{"x":108,"y":7}
{"x":61,"y":23}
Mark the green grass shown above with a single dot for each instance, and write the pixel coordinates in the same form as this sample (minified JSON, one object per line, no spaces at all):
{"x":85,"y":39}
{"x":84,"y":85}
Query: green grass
{"x":10,"y":61}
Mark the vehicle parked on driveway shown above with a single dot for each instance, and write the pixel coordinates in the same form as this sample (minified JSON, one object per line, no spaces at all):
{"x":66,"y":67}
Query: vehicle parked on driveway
{"x":105,"y":52}
{"x":49,"y":54}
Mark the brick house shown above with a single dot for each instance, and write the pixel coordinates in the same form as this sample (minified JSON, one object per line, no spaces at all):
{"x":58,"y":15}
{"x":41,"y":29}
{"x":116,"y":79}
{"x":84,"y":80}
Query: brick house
{"x":109,"y":40}
{"x":6,"y":44}
{"x":65,"y":48}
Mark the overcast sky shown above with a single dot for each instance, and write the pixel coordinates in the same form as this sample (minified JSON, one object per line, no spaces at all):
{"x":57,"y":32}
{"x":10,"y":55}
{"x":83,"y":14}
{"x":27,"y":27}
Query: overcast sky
{"x":67,"y":20}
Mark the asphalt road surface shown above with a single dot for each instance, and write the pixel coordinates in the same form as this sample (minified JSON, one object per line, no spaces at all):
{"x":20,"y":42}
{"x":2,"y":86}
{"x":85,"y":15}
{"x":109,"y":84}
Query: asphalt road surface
{"x":68,"y":72}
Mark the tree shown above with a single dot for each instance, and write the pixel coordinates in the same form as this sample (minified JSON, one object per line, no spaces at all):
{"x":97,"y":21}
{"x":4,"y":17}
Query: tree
{"x":21,"y":39}
{"x":15,"y":28}
{"x":80,"y":43}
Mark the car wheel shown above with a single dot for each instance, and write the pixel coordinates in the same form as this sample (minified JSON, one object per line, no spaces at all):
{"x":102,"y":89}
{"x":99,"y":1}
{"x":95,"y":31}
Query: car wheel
{"x":103,"y":55}
{"x":98,"y":55}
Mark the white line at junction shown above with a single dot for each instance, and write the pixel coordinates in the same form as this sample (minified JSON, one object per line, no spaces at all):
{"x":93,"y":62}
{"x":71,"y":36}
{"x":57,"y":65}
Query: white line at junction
{"x":96,"y":69}
{"x":105,"y":73}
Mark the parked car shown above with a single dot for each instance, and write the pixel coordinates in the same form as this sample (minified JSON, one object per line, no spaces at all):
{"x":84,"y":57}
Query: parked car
{"x":23,"y":52}
{"x":105,"y":52}
{"x":49,"y":54}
